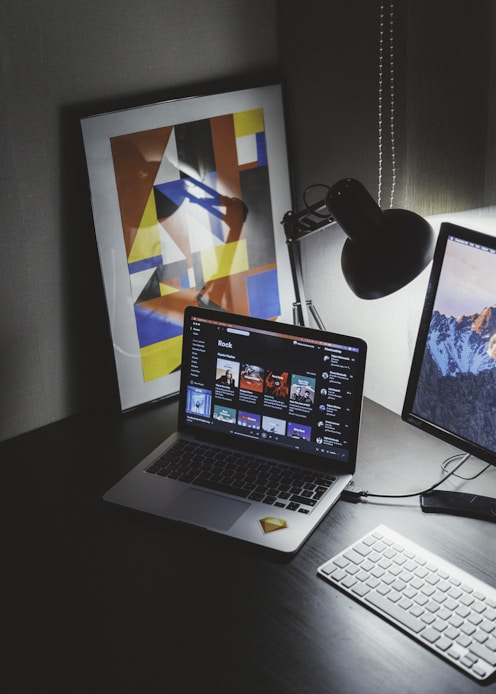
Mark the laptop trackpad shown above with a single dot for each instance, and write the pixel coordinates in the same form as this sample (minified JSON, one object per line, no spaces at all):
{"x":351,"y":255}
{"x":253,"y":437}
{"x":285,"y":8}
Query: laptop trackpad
{"x":206,"y":509}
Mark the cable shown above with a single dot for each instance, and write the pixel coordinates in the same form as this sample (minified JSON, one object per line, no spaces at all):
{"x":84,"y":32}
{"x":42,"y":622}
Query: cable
{"x":358,"y":494}
{"x":444,"y":466}
{"x":307,"y":204}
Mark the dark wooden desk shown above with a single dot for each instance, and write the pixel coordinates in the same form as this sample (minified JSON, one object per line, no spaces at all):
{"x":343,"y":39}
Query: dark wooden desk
{"x":99,"y":599}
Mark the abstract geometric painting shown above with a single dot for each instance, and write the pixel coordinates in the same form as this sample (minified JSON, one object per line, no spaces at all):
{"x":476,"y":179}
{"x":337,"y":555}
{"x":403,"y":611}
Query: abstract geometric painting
{"x":195,"y":203}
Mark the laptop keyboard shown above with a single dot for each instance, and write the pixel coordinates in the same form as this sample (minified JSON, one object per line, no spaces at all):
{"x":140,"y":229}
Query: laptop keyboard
{"x":445,"y":608}
{"x":244,"y":476}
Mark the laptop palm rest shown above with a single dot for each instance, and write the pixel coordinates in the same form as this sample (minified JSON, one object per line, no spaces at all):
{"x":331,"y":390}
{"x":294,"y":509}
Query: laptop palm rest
{"x":206,"y":509}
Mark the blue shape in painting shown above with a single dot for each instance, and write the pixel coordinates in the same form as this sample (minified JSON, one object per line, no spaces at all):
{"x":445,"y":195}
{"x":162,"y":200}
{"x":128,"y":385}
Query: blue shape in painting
{"x":263,"y":294}
{"x":261,"y":149}
{"x":175,"y":191}
{"x":198,"y":193}
{"x":154,"y":327}
{"x":184,"y":188}
{"x":145,"y":264}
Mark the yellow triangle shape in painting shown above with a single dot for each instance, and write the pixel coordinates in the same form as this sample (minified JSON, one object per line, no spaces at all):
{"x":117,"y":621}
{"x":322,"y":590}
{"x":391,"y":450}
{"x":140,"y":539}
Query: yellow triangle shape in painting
{"x":161,"y":358}
{"x":147,"y":241}
{"x":221,"y":261}
{"x":166,"y":289}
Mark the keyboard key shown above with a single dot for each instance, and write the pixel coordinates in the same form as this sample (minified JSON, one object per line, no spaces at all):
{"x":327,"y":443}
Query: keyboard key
{"x":483,"y":652}
{"x":395,"y":611}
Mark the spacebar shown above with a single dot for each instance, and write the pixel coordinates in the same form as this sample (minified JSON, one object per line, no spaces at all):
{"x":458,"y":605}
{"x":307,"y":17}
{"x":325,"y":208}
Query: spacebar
{"x":395,"y":612}
{"x":219,"y":487}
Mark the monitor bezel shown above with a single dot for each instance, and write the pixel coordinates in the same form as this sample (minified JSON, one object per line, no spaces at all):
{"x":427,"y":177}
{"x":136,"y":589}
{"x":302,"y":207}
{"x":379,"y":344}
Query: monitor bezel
{"x":447,"y":229}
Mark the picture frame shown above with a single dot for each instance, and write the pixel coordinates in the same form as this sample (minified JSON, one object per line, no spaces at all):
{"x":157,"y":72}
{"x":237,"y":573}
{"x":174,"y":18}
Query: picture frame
{"x":188,"y":196}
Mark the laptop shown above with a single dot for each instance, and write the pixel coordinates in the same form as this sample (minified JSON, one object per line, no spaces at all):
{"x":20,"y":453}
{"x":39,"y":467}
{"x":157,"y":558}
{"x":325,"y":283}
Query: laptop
{"x":267,"y":431}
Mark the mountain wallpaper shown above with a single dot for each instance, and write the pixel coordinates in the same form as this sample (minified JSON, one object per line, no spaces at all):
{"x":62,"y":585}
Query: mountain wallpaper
{"x":457,"y":387}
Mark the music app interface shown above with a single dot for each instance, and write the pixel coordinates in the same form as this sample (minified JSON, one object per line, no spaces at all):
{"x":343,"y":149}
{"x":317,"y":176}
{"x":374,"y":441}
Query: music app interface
{"x":289,"y":391}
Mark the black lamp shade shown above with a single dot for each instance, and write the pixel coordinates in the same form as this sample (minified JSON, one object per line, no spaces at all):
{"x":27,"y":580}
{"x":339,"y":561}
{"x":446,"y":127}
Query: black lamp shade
{"x":385,"y":250}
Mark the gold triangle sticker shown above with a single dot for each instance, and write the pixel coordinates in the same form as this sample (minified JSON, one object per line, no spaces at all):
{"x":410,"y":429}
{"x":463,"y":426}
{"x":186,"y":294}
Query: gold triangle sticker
{"x":269,"y":524}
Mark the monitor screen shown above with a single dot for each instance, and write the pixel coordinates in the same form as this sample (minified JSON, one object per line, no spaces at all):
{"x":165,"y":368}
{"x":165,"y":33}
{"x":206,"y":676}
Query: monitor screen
{"x":451,"y":391}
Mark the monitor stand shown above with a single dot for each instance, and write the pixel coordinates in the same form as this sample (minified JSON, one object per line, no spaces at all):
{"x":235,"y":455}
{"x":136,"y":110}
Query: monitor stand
{"x":459,"y":504}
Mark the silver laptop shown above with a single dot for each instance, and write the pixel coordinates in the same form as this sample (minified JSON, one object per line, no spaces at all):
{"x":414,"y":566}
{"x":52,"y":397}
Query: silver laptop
{"x":267,"y":431}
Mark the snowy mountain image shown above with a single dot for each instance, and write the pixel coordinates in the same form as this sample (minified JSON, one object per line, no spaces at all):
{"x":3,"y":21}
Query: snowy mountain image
{"x":462,"y":345}
{"x":457,"y":385}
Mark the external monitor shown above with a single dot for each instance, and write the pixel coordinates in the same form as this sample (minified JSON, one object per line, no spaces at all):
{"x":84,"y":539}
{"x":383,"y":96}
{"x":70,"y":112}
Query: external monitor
{"x":451,"y":390}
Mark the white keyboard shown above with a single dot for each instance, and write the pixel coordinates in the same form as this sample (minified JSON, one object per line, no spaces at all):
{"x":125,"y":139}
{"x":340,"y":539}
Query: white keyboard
{"x":446,"y":609}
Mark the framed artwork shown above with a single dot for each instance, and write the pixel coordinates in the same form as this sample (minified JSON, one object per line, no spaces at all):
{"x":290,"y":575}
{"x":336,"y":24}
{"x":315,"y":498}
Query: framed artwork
{"x":187,"y":197}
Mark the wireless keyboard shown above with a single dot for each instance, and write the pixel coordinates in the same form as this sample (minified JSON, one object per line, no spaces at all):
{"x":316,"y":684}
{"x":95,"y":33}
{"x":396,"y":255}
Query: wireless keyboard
{"x":445,"y":608}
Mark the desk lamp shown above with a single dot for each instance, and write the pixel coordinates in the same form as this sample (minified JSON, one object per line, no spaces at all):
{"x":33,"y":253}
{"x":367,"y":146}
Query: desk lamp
{"x":384,"y":250}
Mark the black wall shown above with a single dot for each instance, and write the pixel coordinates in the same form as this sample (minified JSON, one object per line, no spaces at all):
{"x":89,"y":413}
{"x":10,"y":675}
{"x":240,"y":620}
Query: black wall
{"x":443,"y":105}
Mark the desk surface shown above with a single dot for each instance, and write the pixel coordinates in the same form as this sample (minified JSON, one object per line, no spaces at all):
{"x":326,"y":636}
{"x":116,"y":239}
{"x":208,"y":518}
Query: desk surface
{"x":99,"y":599}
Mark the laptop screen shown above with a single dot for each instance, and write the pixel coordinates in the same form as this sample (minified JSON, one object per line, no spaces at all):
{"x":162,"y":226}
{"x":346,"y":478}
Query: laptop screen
{"x":262,"y":383}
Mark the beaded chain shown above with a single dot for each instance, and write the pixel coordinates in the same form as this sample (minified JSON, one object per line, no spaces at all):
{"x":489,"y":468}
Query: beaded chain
{"x":382,"y":40}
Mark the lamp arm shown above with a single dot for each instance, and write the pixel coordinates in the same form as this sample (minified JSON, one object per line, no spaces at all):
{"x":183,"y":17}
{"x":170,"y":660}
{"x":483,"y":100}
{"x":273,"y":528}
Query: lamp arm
{"x":298,"y":225}
{"x":300,"y":308}
{"x":307,"y":221}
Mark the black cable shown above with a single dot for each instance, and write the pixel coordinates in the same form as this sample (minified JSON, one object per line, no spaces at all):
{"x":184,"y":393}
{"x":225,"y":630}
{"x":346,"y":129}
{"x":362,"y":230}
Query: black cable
{"x":307,"y":204}
{"x":444,"y":466}
{"x":356,"y":495}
